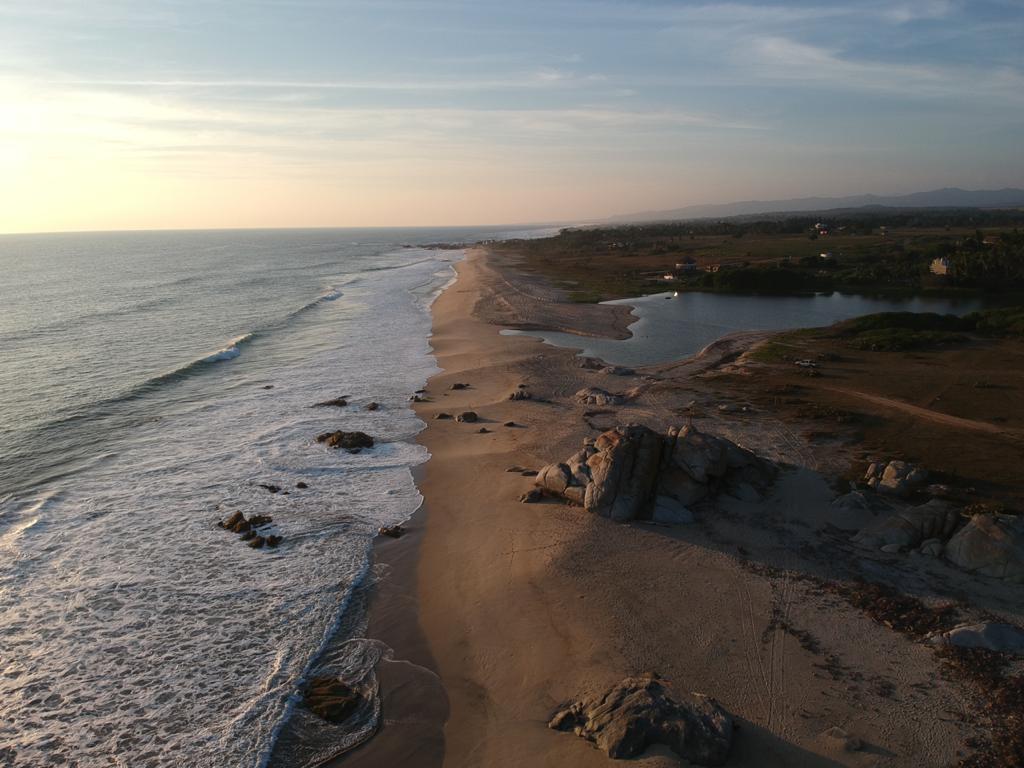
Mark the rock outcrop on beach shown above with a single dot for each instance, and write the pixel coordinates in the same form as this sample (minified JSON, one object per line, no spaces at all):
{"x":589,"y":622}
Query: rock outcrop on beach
{"x":908,"y":528}
{"x":598,"y":396}
{"x":642,"y":711}
{"x":896,"y":478}
{"x":990,"y":544}
{"x":352,"y":442}
{"x":338,"y":402}
{"x":468,"y":417}
{"x":632,"y":472}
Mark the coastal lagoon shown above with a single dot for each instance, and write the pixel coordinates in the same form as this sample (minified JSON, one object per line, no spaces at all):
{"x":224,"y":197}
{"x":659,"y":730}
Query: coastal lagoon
{"x":670,"y":327}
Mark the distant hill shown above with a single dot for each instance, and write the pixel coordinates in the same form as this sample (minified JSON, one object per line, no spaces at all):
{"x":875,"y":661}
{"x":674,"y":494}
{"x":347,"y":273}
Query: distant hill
{"x":950,"y":197}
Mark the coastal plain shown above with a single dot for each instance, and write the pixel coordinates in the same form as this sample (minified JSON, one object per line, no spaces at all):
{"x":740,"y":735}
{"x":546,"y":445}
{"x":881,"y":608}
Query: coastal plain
{"x":498,"y":612}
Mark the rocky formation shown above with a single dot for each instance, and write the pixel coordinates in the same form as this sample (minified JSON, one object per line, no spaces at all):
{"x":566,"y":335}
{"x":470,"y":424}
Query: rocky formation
{"x":301,"y":485}
{"x":338,"y":402}
{"x":992,"y":545}
{"x":392,"y":531}
{"x":458,"y":385}
{"x":331,"y":699}
{"x":468,"y":417}
{"x":897,"y":478}
{"x":641,"y":711}
{"x":633,"y":472}
{"x":519,"y":394}
{"x":246,"y":529}
{"x":908,"y":528}
{"x":442,"y":416}
{"x":270,"y":487}
{"x":353,"y":442}
{"x":992,"y":636}
{"x":373,"y":406}
{"x":598,"y":396}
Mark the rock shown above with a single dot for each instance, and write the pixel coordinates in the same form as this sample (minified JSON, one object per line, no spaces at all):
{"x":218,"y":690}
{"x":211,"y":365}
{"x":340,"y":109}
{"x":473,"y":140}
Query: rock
{"x":597,"y":396}
{"x":670,"y":512}
{"x":509,"y":424}
{"x":554,"y":478}
{"x":274,"y":541}
{"x":519,"y":394}
{"x":441,"y":416}
{"x":271,"y":488}
{"x":515,"y":468}
{"x":467,"y":417}
{"x":457,"y":386}
{"x":992,"y":636}
{"x":530,"y":473}
{"x":232,"y":521}
{"x":301,"y":485}
{"x":268,"y":386}
{"x":907,"y":528}
{"x":257,"y":520}
{"x":617,"y":370}
{"x":392,"y":531}
{"x":640,"y":711}
{"x":591,"y":364}
{"x":897,"y":478}
{"x":483,"y":430}
{"x":373,"y":406}
{"x":242,"y":526}
{"x":350,"y":441}
{"x":331,"y":699}
{"x":931,"y":547}
{"x":257,"y":542}
{"x":338,"y":402}
{"x":623,"y":471}
{"x":992,"y":545}
{"x":843,"y":739}
{"x":248,"y":534}
{"x":532,"y":496}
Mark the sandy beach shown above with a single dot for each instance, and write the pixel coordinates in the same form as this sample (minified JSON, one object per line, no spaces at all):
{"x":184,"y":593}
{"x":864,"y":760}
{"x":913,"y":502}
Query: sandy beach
{"x":500,"y":611}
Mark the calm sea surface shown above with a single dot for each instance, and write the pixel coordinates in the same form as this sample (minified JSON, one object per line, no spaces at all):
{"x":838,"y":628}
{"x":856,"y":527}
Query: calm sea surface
{"x":149,"y":383}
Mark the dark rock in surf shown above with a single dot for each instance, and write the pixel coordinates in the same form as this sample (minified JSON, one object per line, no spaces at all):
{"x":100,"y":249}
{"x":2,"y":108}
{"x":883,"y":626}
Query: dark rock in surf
{"x":270,"y":487}
{"x":372,"y":406}
{"x":331,"y":699}
{"x":338,"y":402}
{"x":257,"y":520}
{"x":232,"y":521}
{"x":301,"y":485}
{"x":242,"y":526}
{"x":274,"y":541}
{"x":257,"y":542}
{"x":392,"y":531}
{"x":350,"y":441}
{"x":247,"y":535}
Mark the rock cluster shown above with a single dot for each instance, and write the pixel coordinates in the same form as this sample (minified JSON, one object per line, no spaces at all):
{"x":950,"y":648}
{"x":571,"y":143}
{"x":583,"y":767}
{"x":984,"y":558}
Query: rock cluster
{"x":598,"y":396}
{"x":992,"y":545}
{"x":519,"y":394}
{"x":392,"y":531}
{"x":247,"y":529}
{"x":897,"y":478}
{"x":632,"y":472}
{"x":353,"y":442}
{"x":641,"y":711}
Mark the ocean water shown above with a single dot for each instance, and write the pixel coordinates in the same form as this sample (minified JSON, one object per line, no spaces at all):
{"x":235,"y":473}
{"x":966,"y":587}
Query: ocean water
{"x":149,"y":383}
{"x":669,"y":328}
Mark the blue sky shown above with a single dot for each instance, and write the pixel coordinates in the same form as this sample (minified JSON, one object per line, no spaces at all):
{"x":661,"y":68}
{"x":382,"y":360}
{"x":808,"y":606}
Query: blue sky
{"x":301,"y":112}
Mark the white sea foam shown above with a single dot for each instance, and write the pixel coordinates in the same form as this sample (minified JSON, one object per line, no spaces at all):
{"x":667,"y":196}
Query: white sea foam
{"x":138,"y":633}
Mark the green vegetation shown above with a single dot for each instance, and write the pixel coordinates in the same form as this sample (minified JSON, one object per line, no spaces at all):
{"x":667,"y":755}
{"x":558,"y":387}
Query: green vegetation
{"x":902,"y":331}
{"x":884,"y":252}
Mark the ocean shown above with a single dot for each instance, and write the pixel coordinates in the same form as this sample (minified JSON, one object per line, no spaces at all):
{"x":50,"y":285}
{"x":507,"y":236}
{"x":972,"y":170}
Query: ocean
{"x":150,"y":384}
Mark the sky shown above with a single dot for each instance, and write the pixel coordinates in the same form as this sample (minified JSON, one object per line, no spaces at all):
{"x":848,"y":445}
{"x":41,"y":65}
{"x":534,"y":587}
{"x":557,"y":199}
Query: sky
{"x":156,"y":114}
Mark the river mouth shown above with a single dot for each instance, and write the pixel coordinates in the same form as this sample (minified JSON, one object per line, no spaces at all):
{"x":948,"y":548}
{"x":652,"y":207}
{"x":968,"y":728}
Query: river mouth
{"x":673,"y":326}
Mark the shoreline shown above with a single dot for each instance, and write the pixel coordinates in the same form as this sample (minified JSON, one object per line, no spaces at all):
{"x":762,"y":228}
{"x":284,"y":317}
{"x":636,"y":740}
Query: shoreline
{"x":517,"y":608}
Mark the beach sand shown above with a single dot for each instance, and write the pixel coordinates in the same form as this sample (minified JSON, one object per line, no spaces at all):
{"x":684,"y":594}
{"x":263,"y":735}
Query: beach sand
{"x":520,"y":607}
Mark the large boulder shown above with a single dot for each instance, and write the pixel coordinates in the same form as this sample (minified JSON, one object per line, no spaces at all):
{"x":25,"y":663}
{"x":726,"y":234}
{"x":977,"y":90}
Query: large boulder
{"x":623,"y":471}
{"x":992,"y":545}
{"x":641,"y":711}
{"x":907,"y":528}
{"x":632,"y":472}
{"x":990,"y":635}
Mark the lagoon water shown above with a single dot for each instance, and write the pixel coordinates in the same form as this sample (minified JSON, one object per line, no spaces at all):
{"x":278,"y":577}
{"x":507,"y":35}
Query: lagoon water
{"x":150,"y":383}
{"x":670,"y":327}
